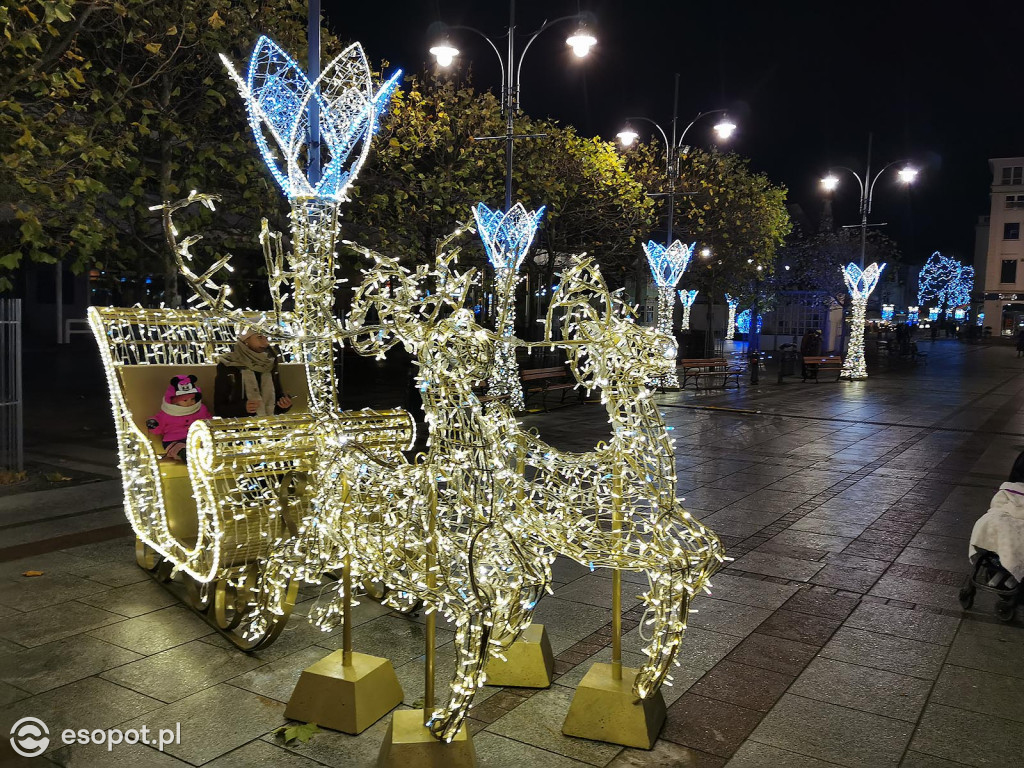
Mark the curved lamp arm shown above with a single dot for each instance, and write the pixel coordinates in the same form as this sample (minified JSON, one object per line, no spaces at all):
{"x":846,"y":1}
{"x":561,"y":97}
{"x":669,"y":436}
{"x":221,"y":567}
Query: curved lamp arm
{"x":664,"y":138}
{"x":501,"y":61}
{"x":546,"y":25}
{"x":682,"y":136}
{"x":871,"y":187}
{"x":860,"y":182}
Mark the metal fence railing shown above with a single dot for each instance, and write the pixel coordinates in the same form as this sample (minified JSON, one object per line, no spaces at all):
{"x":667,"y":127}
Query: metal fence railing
{"x":12,"y":455}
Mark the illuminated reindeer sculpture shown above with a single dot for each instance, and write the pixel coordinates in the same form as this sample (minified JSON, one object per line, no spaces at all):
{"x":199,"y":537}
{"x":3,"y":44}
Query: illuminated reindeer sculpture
{"x":616,"y":506}
{"x":439,"y":530}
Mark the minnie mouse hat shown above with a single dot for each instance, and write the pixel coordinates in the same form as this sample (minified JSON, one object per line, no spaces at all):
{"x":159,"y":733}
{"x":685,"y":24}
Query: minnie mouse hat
{"x":181,"y":385}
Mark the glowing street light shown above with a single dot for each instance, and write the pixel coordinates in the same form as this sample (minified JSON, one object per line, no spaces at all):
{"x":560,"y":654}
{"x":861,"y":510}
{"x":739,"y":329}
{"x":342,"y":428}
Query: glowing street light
{"x":725,"y":128}
{"x":581,"y":42}
{"x":861,"y":280}
{"x":444,"y":53}
{"x":627,"y":135}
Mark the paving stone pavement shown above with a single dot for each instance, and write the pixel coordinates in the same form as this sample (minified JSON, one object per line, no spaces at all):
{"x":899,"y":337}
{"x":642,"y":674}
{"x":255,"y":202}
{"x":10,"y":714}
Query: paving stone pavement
{"x":834,"y":638}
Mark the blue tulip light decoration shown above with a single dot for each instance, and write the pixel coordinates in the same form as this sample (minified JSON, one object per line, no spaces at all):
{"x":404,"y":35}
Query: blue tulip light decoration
{"x":860,"y":283}
{"x":507,"y":237}
{"x":687,"y":298}
{"x":278,"y":98}
{"x":667,"y":267}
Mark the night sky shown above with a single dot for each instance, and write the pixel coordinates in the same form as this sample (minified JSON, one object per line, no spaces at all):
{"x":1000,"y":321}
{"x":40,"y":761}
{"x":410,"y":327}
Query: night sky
{"x":807,"y":82}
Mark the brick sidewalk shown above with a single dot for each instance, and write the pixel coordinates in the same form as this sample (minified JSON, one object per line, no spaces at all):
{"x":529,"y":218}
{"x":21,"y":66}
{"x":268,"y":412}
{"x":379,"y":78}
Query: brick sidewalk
{"x":835,"y":638}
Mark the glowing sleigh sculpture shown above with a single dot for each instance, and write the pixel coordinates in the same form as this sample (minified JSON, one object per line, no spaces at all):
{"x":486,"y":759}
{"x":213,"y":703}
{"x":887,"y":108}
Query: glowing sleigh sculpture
{"x":221,"y":522}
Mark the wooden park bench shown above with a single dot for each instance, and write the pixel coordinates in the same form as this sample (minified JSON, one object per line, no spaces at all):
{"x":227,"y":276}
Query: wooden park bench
{"x":711,"y":372}
{"x":541,"y":381}
{"x":813,"y":365}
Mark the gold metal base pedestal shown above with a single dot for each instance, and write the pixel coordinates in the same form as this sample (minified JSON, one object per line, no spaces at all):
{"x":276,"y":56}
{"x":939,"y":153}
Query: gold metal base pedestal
{"x":606,"y":709}
{"x":410,"y":744}
{"x":529,"y":662}
{"x":345,"y":698}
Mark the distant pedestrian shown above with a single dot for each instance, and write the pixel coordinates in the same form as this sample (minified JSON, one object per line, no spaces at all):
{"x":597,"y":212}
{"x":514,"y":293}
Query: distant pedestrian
{"x":1020,"y":343}
{"x":810,"y":344}
{"x":248,"y":383}
{"x":180,"y":408}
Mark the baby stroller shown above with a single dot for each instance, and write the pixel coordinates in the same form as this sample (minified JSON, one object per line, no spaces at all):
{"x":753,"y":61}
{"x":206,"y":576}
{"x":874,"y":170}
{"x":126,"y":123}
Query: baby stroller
{"x":999,"y":532}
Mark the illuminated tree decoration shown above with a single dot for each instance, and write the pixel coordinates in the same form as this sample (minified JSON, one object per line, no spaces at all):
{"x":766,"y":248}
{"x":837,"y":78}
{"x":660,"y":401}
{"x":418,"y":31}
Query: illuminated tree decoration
{"x":667,"y":267}
{"x":959,"y":314}
{"x":860,"y":283}
{"x":507,"y":237}
{"x":888,"y":311}
{"x":687,"y":298}
{"x":913,"y":315}
{"x":743,"y":322}
{"x":945,"y":281}
{"x":730,"y":325}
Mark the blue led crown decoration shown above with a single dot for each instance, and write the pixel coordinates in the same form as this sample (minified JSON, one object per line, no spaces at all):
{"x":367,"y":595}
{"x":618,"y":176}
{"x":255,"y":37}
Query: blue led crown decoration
{"x":888,"y":311}
{"x":277,"y":97}
{"x":667,"y":267}
{"x":933,"y":313}
{"x":507,"y":237}
{"x":913,"y":313}
{"x":743,"y":322}
{"x":860,"y":283}
{"x":687,"y":298}
{"x":668,"y":264}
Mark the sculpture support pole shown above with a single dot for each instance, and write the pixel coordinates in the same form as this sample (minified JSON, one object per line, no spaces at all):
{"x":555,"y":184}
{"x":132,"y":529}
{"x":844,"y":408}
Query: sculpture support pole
{"x":431,"y":628}
{"x":617,"y":580}
{"x":346,"y":631}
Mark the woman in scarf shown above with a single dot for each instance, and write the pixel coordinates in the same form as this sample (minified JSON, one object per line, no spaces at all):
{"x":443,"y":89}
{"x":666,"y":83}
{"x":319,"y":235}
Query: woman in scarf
{"x":248,"y":383}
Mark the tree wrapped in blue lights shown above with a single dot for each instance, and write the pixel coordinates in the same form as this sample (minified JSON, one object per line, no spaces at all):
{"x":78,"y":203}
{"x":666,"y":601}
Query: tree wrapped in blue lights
{"x":946,"y":282}
{"x":507,"y":236}
{"x":687,"y":298}
{"x":743,"y":321}
{"x":667,"y":267}
{"x":860,"y":283}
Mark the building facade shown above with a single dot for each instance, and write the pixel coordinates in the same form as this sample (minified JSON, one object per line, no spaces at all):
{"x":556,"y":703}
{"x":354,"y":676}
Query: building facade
{"x":1000,"y":275}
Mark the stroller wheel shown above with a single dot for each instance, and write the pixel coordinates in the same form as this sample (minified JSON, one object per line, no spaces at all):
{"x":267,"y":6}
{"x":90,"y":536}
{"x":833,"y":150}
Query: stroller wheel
{"x":1005,"y":609}
{"x":967,"y":594}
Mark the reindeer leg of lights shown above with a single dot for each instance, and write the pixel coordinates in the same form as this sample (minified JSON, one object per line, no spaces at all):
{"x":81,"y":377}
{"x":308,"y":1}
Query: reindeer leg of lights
{"x":860,"y":284}
{"x":687,"y":298}
{"x":667,"y":266}
{"x":615,"y":507}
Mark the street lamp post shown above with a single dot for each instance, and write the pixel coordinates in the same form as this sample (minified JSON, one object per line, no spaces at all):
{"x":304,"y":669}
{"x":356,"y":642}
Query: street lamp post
{"x":667,"y":280}
{"x":861,"y":281}
{"x":504,"y":378}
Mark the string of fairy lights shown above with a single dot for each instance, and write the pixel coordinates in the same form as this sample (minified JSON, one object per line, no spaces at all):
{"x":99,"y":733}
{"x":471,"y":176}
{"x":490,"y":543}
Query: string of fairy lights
{"x":730,"y":323}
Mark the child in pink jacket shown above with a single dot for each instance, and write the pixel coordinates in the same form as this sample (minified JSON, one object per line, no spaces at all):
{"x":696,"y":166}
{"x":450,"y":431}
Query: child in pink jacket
{"x":181,"y":407}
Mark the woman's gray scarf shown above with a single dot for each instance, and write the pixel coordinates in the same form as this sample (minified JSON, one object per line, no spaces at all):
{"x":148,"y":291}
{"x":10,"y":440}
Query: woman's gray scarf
{"x":252,"y":362}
